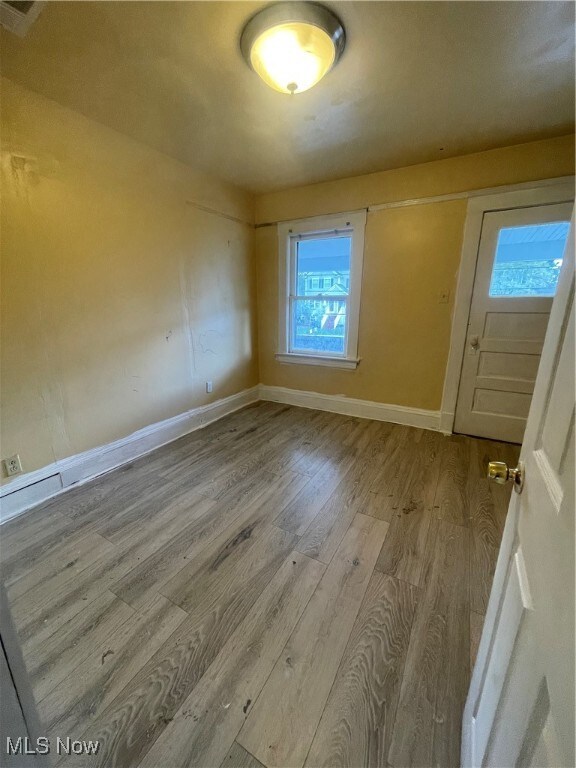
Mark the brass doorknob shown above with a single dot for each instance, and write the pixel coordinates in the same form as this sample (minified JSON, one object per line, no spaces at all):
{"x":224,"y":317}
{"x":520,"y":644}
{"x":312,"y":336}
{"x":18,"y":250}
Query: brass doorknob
{"x":501,"y":473}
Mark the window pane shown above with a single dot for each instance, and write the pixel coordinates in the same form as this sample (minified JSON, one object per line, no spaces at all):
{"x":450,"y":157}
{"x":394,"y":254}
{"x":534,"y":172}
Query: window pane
{"x":528,"y":260}
{"x":323,"y":266}
{"x":318,"y":325}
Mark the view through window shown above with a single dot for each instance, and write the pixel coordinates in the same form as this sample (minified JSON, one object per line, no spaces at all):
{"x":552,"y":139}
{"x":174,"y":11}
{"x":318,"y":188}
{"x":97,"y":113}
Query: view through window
{"x":528,"y":260}
{"x":320,"y":295}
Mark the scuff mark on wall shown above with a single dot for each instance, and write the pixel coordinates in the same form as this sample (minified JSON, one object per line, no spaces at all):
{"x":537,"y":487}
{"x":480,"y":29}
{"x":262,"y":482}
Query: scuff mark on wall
{"x":187,"y":319}
{"x":51,"y":391}
{"x":16,"y":172}
{"x":203,"y":343}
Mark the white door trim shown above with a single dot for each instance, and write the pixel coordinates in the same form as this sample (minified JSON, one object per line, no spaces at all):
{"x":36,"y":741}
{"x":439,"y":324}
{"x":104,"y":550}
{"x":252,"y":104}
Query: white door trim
{"x":471,"y":193}
{"x":563,"y":192}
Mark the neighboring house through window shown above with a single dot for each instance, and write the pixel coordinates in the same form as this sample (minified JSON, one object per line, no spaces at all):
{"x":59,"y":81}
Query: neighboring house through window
{"x":320,"y":283}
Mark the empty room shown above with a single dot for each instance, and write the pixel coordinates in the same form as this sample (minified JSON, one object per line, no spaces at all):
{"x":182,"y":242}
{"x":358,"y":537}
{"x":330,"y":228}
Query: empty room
{"x":287,"y":384}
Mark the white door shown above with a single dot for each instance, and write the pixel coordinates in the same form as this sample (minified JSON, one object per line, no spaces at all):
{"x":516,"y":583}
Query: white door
{"x":18,"y":715}
{"x":520,"y":706}
{"x":519,"y":259}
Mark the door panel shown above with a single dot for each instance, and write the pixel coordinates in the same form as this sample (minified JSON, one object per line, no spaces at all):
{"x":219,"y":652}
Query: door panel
{"x":517,"y":326}
{"x":499,"y":402}
{"x":509,"y":367}
{"x":514,"y":607}
{"x":520,"y":706}
{"x":519,"y":258}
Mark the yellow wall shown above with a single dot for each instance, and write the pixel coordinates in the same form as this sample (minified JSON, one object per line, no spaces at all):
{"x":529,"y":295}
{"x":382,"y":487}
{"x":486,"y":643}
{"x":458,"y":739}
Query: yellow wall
{"x":510,"y":165}
{"x":120,"y":299}
{"x":411,"y":255}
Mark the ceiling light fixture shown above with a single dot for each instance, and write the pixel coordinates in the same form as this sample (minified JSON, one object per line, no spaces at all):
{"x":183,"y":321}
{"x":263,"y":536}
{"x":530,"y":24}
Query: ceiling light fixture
{"x":293,"y":45}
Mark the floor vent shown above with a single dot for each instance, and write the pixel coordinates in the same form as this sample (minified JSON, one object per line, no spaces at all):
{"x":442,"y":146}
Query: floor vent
{"x":18,"y":15}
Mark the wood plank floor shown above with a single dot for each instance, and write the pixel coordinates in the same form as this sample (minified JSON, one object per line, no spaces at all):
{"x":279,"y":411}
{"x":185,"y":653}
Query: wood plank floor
{"x":283,"y":588}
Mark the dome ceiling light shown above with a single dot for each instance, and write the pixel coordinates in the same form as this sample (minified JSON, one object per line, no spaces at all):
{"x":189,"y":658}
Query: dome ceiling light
{"x":293,"y":45}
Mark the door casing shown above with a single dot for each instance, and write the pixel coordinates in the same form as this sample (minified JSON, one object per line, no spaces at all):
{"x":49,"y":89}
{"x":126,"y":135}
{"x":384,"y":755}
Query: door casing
{"x":561,"y":192}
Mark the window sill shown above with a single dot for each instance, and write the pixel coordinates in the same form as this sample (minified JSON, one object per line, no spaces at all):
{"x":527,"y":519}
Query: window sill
{"x":328,"y":362}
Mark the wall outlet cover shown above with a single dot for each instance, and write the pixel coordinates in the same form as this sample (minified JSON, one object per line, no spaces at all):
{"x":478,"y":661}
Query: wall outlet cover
{"x":13,"y":465}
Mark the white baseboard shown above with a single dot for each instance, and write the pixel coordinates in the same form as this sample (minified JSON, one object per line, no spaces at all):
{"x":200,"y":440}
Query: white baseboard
{"x":33,"y":488}
{"x":446,"y":422}
{"x":348,"y":406}
{"x":466,"y":746}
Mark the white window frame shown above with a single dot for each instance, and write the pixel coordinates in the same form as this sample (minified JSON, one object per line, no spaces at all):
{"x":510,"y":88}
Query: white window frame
{"x":289,"y":233}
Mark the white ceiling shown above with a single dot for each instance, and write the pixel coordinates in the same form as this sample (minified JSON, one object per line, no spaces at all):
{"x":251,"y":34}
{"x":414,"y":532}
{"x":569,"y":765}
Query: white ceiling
{"x":418,"y":81}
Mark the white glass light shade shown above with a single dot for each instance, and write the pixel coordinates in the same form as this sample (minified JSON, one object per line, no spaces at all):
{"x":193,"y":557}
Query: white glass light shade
{"x":292,"y":57}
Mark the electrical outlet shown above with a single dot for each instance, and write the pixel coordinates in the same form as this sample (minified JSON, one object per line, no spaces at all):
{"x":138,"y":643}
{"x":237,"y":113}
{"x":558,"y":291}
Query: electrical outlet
{"x":13,"y":465}
{"x":443,"y":297}
{"x":208,"y":387}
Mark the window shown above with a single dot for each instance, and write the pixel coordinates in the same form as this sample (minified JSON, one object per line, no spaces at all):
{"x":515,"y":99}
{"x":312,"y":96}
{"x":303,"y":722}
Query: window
{"x":321,"y":274}
{"x":528,"y":260}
